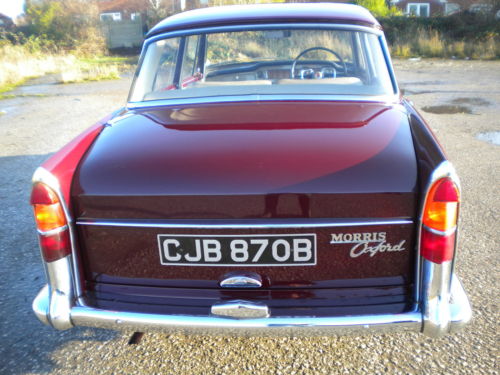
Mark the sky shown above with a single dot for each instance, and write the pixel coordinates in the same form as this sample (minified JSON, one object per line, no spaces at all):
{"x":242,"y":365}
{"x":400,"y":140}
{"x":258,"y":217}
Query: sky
{"x":11,"y":8}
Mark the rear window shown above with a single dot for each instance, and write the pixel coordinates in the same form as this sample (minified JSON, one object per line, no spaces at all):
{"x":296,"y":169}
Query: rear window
{"x":287,"y":61}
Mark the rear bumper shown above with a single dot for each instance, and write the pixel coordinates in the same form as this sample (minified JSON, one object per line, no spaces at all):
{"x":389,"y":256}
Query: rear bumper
{"x":443,"y":306}
{"x":459,"y":315}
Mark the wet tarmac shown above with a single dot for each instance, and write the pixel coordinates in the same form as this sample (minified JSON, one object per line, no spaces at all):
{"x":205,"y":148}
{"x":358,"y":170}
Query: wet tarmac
{"x":471,"y":101}
{"x":490,"y":137}
{"x":447,"y":109}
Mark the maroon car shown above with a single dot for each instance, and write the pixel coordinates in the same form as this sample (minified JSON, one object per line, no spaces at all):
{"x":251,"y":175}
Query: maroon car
{"x":265,"y":177}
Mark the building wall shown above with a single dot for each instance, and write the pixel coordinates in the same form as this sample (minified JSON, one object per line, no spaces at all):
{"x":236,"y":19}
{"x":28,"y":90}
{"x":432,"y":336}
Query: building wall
{"x":436,"y":7}
{"x":6,"y":23}
{"x":445,"y":7}
{"x":123,"y":34}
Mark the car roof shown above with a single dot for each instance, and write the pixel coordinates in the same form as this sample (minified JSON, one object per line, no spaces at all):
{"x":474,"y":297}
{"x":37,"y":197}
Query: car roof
{"x":267,"y":13}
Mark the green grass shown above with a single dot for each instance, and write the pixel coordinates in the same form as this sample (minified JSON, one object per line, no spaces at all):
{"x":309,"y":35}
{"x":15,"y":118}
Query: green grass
{"x":433,"y":44}
{"x":120,"y":60}
{"x":84,"y":71}
{"x":11,"y":86}
{"x":20,"y":63}
{"x":7,"y":96}
{"x":13,"y":96}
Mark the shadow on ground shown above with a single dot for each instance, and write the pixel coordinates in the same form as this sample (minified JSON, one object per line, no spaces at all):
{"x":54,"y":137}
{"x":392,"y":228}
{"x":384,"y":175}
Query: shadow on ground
{"x":27,"y":344}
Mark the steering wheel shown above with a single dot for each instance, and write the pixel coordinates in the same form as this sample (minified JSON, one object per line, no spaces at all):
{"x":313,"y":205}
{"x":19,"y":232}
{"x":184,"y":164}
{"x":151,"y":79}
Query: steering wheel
{"x":341,"y":60}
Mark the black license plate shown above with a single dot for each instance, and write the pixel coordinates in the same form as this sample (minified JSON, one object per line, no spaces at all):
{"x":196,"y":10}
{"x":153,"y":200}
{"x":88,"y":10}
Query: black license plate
{"x":237,"y":250}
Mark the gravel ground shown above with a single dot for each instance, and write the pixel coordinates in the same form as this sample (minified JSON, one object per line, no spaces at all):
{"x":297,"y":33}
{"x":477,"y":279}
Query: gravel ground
{"x":33,"y":127}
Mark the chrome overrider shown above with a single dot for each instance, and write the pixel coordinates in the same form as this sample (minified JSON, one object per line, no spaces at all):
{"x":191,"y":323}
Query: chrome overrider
{"x":443,"y":305}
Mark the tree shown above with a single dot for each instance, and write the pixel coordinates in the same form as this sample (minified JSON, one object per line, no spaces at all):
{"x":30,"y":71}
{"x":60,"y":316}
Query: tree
{"x":157,"y":10}
{"x":379,"y":8}
{"x":67,"y":24}
{"x":160,"y":9}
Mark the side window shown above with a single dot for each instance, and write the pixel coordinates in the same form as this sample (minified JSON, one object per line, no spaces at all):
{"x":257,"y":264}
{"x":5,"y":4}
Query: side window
{"x":166,"y":68}
{"x":360,"y":66}
{"x":189,"y":60}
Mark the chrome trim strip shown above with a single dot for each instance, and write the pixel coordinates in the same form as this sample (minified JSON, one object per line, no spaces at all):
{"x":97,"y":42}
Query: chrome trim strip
{"x":389,"y":99}
{"x":263,"y":26}
{"x":240,"y":310}
{"x":242,"y":224}
{"x":53,"y":231}
{"x":119,"y":118}
{"x":388,"y":62}
{"x":440,"y":232}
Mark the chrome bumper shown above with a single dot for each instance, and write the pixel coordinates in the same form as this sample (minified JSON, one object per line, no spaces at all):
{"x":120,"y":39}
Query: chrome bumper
{"x":443,"y":306}
{"x":52,"y":307}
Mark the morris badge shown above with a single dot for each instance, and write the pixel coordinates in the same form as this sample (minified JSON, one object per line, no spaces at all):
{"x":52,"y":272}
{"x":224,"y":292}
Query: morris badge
{"x":367,"y":243}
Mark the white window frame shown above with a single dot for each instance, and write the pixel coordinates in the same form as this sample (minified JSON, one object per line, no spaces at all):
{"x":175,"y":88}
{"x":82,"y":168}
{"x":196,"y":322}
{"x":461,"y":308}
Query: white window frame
{"x":451,"y":8}
{"x":115,"y":16}
{"x":481,"y":8}
{"x":134,"y":16}
{"x":419,"y":9}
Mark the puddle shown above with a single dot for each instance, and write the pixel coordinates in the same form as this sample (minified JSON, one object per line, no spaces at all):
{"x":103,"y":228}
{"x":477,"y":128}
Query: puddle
{"x":32,"y":90}
{"x":422,"y":83}
{"x":417,"y":92}
{"x":490,"y":137}
{"x":8,"y":109}
{"x":470,"y":101}
{"x":35,"y":87}
{"x":447,"y":109}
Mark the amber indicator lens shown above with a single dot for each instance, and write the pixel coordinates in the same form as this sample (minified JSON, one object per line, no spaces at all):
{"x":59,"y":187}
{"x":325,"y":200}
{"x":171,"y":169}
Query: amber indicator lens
{"x":441,"y":208}
{"x":49,"y":217}
{"x":49,"y":213}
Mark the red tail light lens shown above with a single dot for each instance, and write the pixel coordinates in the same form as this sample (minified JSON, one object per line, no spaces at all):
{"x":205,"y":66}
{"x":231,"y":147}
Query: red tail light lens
{"x":51,"y":223}
{"x":436,"y":248}
{"x":440,"y":221}
{"x":55,"y":246}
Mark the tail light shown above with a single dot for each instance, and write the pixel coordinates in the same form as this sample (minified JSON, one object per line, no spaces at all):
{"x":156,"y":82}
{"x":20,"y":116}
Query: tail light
{"x":51,"y":223}
{"x":440,"y":221}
